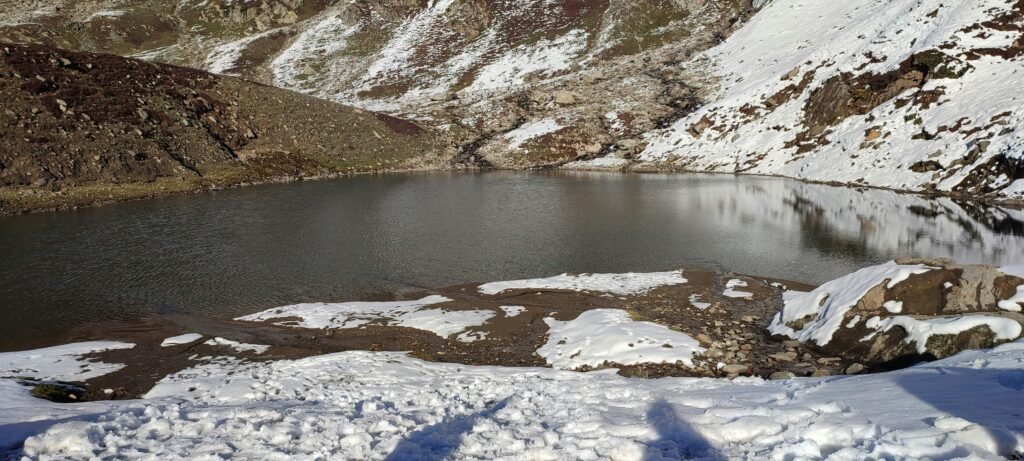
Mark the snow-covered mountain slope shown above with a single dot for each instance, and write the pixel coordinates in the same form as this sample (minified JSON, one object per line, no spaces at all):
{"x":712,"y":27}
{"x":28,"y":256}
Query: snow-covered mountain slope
{"x":907,"y":94}
{"x":372,"y":52}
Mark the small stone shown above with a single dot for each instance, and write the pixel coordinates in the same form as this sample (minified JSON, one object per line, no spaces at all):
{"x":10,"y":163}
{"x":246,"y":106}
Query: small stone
{"x":825,"y":360}
{"x":821,"y":373}
{"x":855,"y":369}
{"x":441,"y":97}
{"x":748,"y":319}
{"x":791,"y":343}
{"x":735,"y":369}
{"x":143,"y":114}
{"x":703,"y":338}
{"x":780,"y":375}
{"x":784,"y":356}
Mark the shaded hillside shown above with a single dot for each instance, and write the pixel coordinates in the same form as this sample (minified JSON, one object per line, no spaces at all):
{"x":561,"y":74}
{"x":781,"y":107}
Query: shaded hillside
{"x":80,"y":128}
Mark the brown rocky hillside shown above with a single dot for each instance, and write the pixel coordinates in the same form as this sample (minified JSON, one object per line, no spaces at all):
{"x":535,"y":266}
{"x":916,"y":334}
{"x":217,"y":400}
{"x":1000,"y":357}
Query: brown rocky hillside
{"x":81,"y":128}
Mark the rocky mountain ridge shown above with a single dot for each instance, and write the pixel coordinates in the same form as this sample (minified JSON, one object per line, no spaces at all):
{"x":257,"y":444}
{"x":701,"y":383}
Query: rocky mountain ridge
{"x":908,"y":95}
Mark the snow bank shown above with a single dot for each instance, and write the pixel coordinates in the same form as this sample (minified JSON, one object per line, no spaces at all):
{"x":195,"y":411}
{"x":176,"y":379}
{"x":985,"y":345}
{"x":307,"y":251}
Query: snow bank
{"x":61,"y":363}
{"x":365,"y":405}
{"x":920,"y":330}
{"x":824,"y":308}
{"x":610,"y":335}
{"x":411,"y":314}
{"x":619,"y":284}
{"x":186,"y":338}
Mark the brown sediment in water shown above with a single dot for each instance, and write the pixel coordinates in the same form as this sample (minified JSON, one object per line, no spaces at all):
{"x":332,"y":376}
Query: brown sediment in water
{"x":734,"y":331}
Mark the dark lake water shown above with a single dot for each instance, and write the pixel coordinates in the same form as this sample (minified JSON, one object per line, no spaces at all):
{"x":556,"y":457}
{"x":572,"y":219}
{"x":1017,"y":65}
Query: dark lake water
{"x":232,"y":252}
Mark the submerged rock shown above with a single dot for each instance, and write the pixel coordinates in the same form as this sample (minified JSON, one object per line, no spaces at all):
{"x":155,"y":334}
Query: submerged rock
{"x":905,"y":311}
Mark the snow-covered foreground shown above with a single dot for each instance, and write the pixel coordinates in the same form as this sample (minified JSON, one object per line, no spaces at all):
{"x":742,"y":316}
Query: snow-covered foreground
{"x":367,"y":405}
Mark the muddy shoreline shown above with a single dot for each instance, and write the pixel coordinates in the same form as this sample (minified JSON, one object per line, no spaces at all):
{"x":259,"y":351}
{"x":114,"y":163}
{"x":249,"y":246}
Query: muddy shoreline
{"x":732,"y":330}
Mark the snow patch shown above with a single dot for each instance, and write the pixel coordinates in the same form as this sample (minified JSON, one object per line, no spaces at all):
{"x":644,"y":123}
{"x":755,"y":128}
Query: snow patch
{"x":410,"y":314}
{"x":545,"y":58}
{"x":620,"y":284}
{"x":610,"y":335}
{"x":521,"y":135}
{"x":732,"y":292}
{"x":238,"y":346}
{"x":695,"y":302}
{"x":61,"y":363}
{"x":512,"y":311}
{"x":186,"y":338}
{"x":1015,"y":302}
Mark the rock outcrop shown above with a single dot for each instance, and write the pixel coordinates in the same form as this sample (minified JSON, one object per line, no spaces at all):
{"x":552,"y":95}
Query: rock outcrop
{"x":906,"y":311}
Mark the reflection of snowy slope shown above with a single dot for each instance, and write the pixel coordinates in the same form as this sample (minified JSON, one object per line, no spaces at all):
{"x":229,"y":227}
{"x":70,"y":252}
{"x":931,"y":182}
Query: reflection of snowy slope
{"x":884,"y":222}
{"x":364,"y":405}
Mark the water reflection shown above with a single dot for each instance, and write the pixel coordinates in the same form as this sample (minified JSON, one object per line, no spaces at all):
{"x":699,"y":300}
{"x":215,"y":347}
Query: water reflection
{"x":239,"y":251}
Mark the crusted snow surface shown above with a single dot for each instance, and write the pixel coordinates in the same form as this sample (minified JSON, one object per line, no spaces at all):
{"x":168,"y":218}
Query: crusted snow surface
{"x":411,"y":314}
{"x":631,"y":283}
{"x":920,"y":330}
{"x":366,"y":405}
{"x":186,"y":338}
{"x":611,"y":335}
{"x":791,"y":39}
{"x":825,"y":307}
{"x":63,"y":363}
{"x":238,"y":346}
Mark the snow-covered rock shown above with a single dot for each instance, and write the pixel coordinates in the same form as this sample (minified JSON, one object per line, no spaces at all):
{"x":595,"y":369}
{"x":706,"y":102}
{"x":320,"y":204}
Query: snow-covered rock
{"x":893,"y":311}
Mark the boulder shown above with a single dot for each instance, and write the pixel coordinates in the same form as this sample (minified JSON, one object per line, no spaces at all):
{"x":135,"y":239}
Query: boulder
{"x":564,"y":98}
{"x":906,"y":311}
